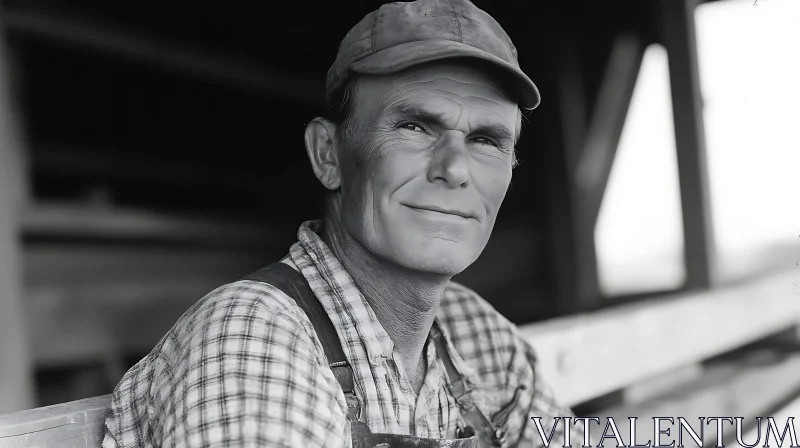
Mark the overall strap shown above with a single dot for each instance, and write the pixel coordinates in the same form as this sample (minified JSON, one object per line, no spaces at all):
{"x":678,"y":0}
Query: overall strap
{"x":463,"y":395}
{"x":295,"y":285}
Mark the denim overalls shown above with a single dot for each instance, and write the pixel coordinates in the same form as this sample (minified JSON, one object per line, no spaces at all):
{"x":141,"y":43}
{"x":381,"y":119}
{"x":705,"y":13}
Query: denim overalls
{"x":480,"y":432}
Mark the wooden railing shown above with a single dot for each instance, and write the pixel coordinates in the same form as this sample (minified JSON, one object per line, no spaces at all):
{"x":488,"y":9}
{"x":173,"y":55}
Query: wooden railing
{"x":75,"y":424}
{"x":587,"y":356}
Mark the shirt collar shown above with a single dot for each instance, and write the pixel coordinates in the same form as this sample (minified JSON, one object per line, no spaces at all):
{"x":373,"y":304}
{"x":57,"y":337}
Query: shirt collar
{"x":352,"y":316}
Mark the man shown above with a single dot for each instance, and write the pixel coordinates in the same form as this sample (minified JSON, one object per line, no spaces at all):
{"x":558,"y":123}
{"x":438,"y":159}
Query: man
{"x":418,"y":157}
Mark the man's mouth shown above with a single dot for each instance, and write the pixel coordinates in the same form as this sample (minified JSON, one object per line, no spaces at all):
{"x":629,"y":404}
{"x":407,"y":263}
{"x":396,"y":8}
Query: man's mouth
{"x":446,"y":211}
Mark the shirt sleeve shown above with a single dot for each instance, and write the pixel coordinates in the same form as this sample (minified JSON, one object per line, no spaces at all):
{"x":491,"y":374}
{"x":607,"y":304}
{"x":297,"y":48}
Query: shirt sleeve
{"x":234,"y":373}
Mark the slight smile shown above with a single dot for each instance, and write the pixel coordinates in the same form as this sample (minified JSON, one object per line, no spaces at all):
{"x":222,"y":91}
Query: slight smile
{"x":435,"y":209}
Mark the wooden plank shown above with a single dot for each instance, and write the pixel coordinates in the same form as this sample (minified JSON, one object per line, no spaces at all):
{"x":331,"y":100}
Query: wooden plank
{"x":588,"y":355}
{"x":93,"y":301}
{"x":91,"y":324}
{"x":15,"y":385}
{"x":748,"y":387}
{"x":65,"y":220}
{"x":119,"y":40}
{"x":74,"y":424}
{"x":792,"y":409}
{"x":104,"y":163}
{"x":678,"y":35}
{"x":89,"y":301}
{"x":69,"y":266}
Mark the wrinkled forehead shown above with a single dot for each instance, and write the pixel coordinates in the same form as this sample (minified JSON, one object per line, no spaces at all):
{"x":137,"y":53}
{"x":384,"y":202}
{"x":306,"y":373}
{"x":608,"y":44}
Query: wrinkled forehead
{"x":436,"y":85}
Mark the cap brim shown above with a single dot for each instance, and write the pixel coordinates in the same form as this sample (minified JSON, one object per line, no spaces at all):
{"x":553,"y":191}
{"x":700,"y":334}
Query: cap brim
{"x":405,"y":55}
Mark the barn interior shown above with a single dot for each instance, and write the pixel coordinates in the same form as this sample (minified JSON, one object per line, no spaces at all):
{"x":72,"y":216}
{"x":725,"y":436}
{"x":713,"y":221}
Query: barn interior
{"x":152,"y":151}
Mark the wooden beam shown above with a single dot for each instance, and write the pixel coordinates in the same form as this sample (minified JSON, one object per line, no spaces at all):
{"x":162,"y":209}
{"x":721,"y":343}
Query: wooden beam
{"x":88,"y":303}
{"x":564,"y":250}
{"x":593,"y":166}
{"x":571,"y":97}
{"x":63,"y":220}
{"x":93,"y":324}
{"x":589,"y":157}
{"x":589,"y":355}
{"x":107,"y":164}
{"x":749,"y":386}
{"x":560,"y":215}
{"x":790,"y":409}
{"x":678,"y":35}
{"x":64,"y":267}
{"x":73,"y":424}
{"x":16,"y":391}
{"x":171,"y":55}
{"x":596,"y":158}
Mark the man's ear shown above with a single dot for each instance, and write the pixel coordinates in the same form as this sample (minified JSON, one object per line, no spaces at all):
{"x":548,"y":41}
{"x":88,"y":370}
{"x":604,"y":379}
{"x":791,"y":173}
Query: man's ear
{"x":321,"y":149}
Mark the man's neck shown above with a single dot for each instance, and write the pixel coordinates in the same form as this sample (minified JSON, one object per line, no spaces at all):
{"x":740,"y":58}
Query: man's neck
{"x":405,"y":301}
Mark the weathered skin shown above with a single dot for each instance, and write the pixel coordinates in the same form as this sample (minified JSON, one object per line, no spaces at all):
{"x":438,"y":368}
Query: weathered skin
{"x":436,"y":136}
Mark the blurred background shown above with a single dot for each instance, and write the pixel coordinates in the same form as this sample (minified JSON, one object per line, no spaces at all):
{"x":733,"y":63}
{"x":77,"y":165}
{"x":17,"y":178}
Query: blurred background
{"x":649,"y":247}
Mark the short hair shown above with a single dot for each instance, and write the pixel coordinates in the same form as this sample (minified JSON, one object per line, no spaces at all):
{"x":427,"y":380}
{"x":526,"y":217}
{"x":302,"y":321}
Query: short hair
{"x":341,"y":109}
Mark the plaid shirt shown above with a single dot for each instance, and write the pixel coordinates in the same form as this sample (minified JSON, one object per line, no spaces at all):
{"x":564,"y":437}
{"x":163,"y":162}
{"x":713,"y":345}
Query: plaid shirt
{"x":244,"y":367}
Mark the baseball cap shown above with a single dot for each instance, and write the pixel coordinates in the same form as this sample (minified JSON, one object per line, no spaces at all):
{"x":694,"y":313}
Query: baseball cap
{"x":403,"y":34}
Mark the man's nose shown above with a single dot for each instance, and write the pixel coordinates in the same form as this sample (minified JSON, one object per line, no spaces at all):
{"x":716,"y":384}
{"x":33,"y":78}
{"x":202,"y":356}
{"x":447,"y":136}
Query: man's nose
{"x":450,"y":161}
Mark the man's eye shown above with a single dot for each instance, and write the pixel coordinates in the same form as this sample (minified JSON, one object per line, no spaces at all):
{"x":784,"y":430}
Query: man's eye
{"x":412,"y":127}
{"x":484,"y":141}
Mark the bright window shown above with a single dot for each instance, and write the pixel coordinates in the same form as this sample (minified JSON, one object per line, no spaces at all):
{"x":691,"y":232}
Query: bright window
{"x":749,"y":58}
{"x":639,"y":233}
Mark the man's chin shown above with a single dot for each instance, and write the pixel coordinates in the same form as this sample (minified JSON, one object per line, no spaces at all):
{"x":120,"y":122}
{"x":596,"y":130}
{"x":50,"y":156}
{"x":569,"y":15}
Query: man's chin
{"x":437,"y":262}
{"x":432,"y":255}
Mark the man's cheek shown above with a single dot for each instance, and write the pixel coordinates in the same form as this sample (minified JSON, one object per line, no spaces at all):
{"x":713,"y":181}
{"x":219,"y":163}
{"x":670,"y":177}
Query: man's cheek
{"x":376,"y":147}
{"x":494,"y":192}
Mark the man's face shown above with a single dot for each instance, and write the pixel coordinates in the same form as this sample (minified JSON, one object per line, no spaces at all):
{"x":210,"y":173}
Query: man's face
{"x":426,"y":164}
